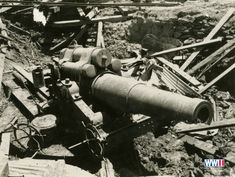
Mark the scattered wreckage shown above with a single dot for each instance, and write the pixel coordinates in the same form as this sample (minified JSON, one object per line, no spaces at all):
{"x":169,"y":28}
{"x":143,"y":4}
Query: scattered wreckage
{"x":101,"y":103}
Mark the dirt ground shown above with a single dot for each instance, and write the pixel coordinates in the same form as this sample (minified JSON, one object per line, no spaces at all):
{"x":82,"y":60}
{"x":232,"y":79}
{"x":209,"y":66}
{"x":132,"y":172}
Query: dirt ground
{"x":161,"y":153}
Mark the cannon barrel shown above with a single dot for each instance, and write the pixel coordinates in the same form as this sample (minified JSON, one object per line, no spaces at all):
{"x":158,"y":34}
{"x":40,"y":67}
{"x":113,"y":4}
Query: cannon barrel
{"x":129,"y":95}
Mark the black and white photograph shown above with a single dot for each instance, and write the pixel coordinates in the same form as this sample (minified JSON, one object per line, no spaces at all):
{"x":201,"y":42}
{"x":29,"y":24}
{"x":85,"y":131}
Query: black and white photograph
{"x":115,"y":88}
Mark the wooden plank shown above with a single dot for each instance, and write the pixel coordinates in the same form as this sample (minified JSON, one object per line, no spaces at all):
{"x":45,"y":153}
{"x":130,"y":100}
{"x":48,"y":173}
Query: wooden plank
{"x":23,"y":10}
{"x":45,"y":168}
{"x":74,"y":23}
{"x":232,"y":67}
{"x":73,"y":171}
{"x":59,"y":169}
{"x":76,"y":35}
{"x":5,"y":144}
{"x":7,"y":117}
{"x":200,"y":44}
{"x":63,"y":43}
{"x":214,"y":125}
{"x":4,"y":168}
{"x":21,"y":98}
{"x":100,"y":38}
{"x":206,"y":147}
{"x":113,"y":18}
{"x":22,"y":95}
{"x":2,"y":56}
{"x":225,"y":18}
{"x":43,"y":90}
{"x":32,"y":167}
{"x":83,"y":110}
{"x":19,"y":29}
{"x":214,"y":57}
{"x":122,"y":11}
{"x":92,"y":13}
{"x":215,"y":115}
{"x":6,"y":37}
{"x":2,"y":63}
{"x":230,"y":157}
{"x":81,"y":12}
{"x":174,"y":82}
{"x":106,"y":169}
{"x":4,"y":9}
{"x":181,"y":73}
{"x":83,"y":30}
{"x":9,"y":125}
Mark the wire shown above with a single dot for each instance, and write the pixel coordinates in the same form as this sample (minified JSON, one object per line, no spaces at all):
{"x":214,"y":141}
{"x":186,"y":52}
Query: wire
{"x":82,"y":142}
{"x":30,"y":135}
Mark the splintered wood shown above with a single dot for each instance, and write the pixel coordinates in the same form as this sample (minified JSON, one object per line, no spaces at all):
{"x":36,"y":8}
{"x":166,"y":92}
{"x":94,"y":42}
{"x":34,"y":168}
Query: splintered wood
{"x":183,"y":74}
{"x":214,"y":57}
{"x":226,"y":17}
{"x":78,"y":35}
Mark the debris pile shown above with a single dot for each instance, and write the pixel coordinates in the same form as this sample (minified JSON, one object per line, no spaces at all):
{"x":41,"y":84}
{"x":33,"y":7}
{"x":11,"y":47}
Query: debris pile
{"x":84,"y":82}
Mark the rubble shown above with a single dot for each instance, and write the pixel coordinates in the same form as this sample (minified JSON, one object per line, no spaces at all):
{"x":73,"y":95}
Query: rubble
{"x":117,"y":88}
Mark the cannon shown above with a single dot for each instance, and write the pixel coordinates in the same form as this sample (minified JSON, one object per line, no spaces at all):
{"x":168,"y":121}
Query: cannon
{"x":104,"y":83}
{"x":86,"y":87}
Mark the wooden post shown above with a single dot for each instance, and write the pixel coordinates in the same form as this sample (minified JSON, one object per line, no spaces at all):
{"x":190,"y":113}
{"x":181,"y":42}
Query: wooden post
{"x":100,"y":38}
{"x":4,"y":152}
